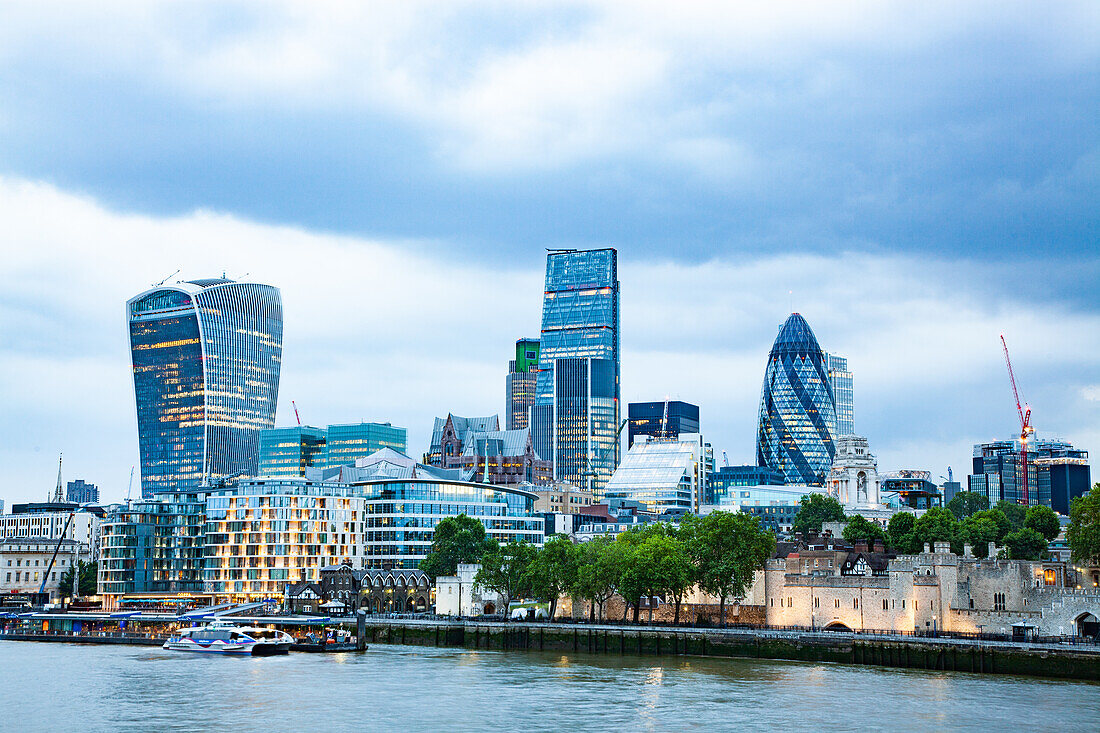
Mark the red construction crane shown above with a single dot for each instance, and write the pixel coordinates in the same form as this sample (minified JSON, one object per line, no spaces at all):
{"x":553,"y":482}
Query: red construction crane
{"x":1024,"y":411}
{"x":296,"y":417}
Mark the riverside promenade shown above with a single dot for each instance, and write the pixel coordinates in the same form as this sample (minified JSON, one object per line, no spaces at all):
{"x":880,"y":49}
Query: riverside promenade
{"x":948,"y":654}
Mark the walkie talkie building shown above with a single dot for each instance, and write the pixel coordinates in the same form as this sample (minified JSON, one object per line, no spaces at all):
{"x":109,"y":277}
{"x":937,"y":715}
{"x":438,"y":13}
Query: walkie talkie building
{"x":797,"y":408}
{"x":206,"y":357}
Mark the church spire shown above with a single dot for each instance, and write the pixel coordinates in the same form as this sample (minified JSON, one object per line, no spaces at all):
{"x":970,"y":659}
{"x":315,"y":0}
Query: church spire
{"x":57,"y":492}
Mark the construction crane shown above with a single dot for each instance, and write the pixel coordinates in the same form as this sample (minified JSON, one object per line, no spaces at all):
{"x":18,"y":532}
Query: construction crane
{"x":725,"y":459}
{"x":64,"y":531}
{"x":130,"y":485}
{"x":296,"y":416}
{"x":1026,"y":431}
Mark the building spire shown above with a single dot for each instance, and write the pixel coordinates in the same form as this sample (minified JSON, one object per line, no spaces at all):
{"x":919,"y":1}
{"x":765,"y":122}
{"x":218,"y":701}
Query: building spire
{"x":57,"y":492}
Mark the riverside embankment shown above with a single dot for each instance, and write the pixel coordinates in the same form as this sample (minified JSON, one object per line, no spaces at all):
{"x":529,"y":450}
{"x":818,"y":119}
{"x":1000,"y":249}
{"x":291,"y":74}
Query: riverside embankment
{"x":1071,"y":662}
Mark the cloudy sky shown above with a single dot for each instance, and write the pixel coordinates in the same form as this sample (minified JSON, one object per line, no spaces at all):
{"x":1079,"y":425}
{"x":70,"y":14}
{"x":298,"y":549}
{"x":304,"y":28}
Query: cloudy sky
{"x":914,"y":178}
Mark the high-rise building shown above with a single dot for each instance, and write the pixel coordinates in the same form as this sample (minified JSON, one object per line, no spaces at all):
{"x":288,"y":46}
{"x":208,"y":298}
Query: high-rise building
{"x":287,"y":452}
{"x":575,"y":419}
{"x":522,"y":375}
{"x":797,"y":408}
{"x":1057,"y":473}
{"x":81,"y":492}
{"x":206,"y":357}
{"x":344,"y":444}
{"x":652,"y":418}
{"x":843,"y":396}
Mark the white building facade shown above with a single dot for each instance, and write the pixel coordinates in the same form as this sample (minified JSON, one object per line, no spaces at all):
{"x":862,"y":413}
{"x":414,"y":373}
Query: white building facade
{"x":49,"y":525}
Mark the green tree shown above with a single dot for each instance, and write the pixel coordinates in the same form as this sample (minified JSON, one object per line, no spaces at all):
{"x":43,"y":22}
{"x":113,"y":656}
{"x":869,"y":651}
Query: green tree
{"x":87,"y":583}
{"x":900,"y":533}
{"x":727,"y":550}
{"x":635,"y":574}
{"x":997,"y":517}
{"x":1043,"y":520}
{"x":979,"y":531}
{"x":504,"y":571}
{"x":553,"y":570}
{"x":815,"y":510}
{"x":456,"y":540}
{"x":671,"y":573}
{"x":599,"y":565}
{"x":1016,"y":513}
{"x":965,"y":503}
{"x":859,"y":528}
{"x":1026,"y":544}
{"x":1083,"y":533}
{"x":935,"y":525}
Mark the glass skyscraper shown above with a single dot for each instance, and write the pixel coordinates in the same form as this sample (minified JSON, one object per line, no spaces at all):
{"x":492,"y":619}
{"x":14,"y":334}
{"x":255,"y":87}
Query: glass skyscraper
{"x":843,"y":394}
{"x":288,"y":452}
{"x":575,"y":418}
{"x":797,"y":408}
{"x":206,"y":357}
{"x":522,"y":378}
{"x":653,"y":419}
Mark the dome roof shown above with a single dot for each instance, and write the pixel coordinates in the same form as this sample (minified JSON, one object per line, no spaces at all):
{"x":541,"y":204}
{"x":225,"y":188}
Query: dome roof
{"x":795,"y":337}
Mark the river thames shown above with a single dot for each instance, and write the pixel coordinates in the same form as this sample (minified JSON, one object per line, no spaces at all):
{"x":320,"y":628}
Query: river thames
{"x":52,"y":687}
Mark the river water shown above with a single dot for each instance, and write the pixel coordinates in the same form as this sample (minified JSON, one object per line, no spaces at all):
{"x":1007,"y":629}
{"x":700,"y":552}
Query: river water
{"x":68,"y":687}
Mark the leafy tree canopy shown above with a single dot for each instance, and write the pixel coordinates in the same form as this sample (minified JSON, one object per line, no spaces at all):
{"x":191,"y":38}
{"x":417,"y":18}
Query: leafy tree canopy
{"x":1083,"y":533}
{"x":504,"y":570}
{"x":815,"y":510}
{"x":901,"y":532}
{"x":979,"y":531}
{"x":859,"y":528}
{"x":456,"y":540}
{"x":1026,"y":544}
{"x":727,"y":550}
{"x":1043,"y":520}
{"x":1015,"y":512}
{"x":553,"y":570}
{"x":935,"y":525}
{"x":87,"y":579}
{"x":997,"y":517}
{"x":965,"y":503}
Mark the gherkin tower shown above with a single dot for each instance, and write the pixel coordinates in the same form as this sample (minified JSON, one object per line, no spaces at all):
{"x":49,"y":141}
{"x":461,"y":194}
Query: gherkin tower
{"x":797,"y":407}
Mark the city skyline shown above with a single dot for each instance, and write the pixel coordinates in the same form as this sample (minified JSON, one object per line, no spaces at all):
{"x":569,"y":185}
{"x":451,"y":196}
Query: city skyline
{"x":833,"y":161}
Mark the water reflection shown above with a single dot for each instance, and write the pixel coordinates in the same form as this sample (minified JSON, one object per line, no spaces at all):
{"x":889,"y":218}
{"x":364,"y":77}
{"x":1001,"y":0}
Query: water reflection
{"x":136,"y":689}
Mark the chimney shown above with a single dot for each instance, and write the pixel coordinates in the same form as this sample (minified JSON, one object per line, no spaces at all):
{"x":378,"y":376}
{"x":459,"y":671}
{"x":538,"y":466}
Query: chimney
{"x":967,"y":550}
{"x":993,"y":550}
{"x":942,"y":547}
{"x":878,"y":546}
{"x":861,"y":546}
{"x":927,"y":548}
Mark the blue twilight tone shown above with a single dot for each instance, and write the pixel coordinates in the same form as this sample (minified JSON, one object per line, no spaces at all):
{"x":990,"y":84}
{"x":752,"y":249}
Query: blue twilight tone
{"x":797,"y":409}
{"x":205,"y":357}
{"x":576,"y":413}
{"x":843,"y":394}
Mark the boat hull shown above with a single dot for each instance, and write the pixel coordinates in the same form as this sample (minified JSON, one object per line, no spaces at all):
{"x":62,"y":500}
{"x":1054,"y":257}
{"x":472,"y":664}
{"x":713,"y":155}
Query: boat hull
{"x":235,"y":649}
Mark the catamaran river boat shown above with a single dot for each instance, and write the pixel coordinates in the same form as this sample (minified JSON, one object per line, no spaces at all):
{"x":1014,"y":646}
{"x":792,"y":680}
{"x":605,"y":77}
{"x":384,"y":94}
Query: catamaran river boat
{"x":228,"y":638}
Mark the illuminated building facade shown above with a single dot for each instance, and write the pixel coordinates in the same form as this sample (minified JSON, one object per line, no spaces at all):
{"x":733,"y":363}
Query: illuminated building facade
{"x":663,"y":475}
{"x":576,"y":414}
{"x":206,"y":357}
{"x":346,"y":444}
{"x":484,"y":453}
{"x":287,"y":452}
{"x":652,"y":419}
{"x":1057,"y":473}
{"x":724,"y":479}
{"x":522,"y":375}
{"x":843,"y":394}
{"x":797,"y":410}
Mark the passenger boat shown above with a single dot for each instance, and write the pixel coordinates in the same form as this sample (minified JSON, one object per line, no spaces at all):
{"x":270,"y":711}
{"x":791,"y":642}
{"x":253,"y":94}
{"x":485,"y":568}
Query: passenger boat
{"x":228,"y":638}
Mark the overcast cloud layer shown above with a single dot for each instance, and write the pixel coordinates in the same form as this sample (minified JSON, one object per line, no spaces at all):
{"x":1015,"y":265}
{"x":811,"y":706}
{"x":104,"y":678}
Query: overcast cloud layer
{"x":914,"y":180}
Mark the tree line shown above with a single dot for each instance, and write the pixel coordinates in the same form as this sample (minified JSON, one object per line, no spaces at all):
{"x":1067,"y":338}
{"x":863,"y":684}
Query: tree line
{"x":968,"y":519}
{"x":720,"y":553}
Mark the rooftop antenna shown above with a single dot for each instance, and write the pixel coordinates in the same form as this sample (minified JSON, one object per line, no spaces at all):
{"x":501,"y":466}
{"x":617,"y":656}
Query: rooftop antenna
{"x":57,"y":491}
{"x":157,"y":285}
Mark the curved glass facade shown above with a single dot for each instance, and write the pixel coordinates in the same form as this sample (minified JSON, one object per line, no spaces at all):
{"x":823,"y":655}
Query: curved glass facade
{"x":797,"y":408}
{"x":206,"y":356}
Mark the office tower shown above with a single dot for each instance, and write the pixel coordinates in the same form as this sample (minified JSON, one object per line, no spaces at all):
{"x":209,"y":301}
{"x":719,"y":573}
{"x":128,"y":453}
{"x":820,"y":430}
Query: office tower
{"x":1057,"y":473}
{"x":287,"y":452}
{"x":653,"y":419}
{"x":843,"y":397}
{"x":522,"y":374}
{"x":575,"y":419}
{"x":797,"y":411}
{"x":205,"y":356}
{"x":723,"y":483}
{"x":81,"y":492}
{"x":345,"y":444}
